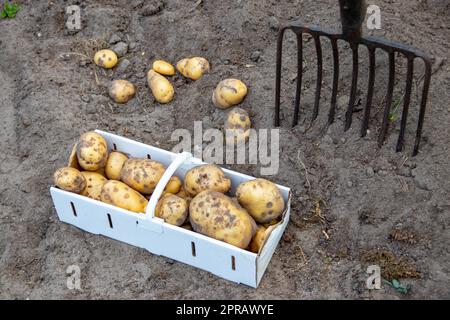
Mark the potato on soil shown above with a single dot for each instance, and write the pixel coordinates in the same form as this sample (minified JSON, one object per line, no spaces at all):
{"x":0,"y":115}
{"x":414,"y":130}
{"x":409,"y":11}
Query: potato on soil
{"x":92,"y":151}
{"x":258,"y":239}
{"x":163,"y":67}
{"x":193,"y":68}
{"x":121,"y":91}
{"x":120,"y":195}
{"x":214,"y":214}
{"x":114,"y":165}
{"x":161,"y":88}
{"x":69,"y":179}
{"x":174,"y":185}
{"x":94,"y":184}
{"x":172,"y":209}
{"x":206,"y":177}
{"x":105,"y":58}
{"x":261,"y":198}
{"x":229,"y":92}
{"x":142,"y":174}
{"x":237,"y":126}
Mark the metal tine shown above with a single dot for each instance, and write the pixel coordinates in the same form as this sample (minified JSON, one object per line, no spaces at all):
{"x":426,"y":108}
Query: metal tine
{"x":423,"y":104}
{"x":278,"y":76}
{"x":298,"y":90}
{"x":351,"y":102}
{"x":406,"y":101}
{"x":319,"y":76}
{"x":332,"y":111}
{"x":390,"y":90}
{"x":370,"y":87}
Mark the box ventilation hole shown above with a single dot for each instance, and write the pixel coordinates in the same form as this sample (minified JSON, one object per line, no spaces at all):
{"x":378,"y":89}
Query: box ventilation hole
{"x":110,"y":221}
{"x":73,"y":208}
{"x":193,"y":248}
{"x":148,"y":156}
{"x":233,"y":263}
{"x":114,"y":146}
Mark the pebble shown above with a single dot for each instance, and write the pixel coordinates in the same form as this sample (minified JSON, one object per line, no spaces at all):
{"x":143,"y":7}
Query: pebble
{"x":26,"y":121}
{"x":120,"y":48}
{"x":91,"y":109}
{"x":273,"y":23}
{"x":85,"y":98}
{"x":114,"y":39}
{"x":132,"y":45}
{"x":370,"y":172}
{"x":349,"y":184}
{"x":255,"y":56}
{"x":123,"y":65}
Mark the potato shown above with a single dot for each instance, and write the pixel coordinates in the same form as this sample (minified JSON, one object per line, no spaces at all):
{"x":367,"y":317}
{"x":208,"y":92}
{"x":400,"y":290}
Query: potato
{"x":183,"y":194}
{"x":94,"y":184}
{"x":120,"y":195}
{"x":172,"y":209}
{"x":229,"y":92}
{"x":206,"y":177}
{"x":237,"y":126}
{"x":142,"y":174}
{"x":114,"y":165}
{"x":161,"y":88}
{"x":69,"y":179}
{"x":214,"y":214}
{"x":122,"y":91}
{"x":92,"y":151}
{"x":193,"y":68}
{"x":174,"y":185}
{"x":105,"y":58}
{"x":258,"y":239}
{"x":163,"y":67}
{"x":261,"y":198}
{"x":271,"y":223}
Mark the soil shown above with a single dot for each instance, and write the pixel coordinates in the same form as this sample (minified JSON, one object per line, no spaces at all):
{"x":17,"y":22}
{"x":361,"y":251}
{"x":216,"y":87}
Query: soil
{"x":353,"y":204}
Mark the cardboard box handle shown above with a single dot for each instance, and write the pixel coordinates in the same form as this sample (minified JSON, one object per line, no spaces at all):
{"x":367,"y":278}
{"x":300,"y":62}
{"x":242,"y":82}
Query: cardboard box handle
{"x":180,"y":158}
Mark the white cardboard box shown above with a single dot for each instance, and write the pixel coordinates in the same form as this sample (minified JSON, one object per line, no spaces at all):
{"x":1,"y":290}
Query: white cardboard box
{"x":153,"y":234}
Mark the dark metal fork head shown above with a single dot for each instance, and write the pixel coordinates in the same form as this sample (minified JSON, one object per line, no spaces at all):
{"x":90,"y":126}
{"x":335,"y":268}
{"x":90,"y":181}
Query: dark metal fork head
{"x":352,"y":17}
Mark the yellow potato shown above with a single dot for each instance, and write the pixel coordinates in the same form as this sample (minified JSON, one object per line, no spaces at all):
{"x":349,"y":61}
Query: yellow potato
{"x":69,"y":179}
{"x":120,"y":195}
{"x":214,"y":214}
{"x":142,"y":174}
{"x":174,"y":185}
{"x":183,"y":194}
{"x":105,"y":58}
{"x":237,"y":126}
{"x":172,"y":209}
{"x":121,"y":91}
{"x":261,"y":198}
{"x":258,"y":239}
{"x":161,"y":88}
{"x":229,"y":92}
{"x":271,"y":223}
{"x":206,"y":177}
{"x":193,"y":68}
{"x":163,"y":67}
{"x":114,"y":165}
{"x":92,"y":151}
{"x":94,"y":184}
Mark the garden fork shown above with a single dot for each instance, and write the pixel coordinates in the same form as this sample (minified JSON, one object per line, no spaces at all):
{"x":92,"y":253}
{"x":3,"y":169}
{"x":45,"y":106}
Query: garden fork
{"x":352,"y":16}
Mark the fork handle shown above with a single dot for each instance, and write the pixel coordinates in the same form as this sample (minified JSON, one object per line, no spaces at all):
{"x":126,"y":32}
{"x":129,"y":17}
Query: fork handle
{"x":352,"y":17}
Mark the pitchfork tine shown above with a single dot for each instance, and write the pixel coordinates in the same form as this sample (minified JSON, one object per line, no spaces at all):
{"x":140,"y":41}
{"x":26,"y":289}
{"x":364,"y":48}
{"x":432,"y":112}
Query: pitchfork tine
{"x":370,"y":87}
{"x":335,"y":81}
{"x":409,"y":79}
{"x":298,"y":90}
{"x":387,"y":108}
{"x":351,"y":102}
{"x":278,"y":76}
{"x":319,"y":76}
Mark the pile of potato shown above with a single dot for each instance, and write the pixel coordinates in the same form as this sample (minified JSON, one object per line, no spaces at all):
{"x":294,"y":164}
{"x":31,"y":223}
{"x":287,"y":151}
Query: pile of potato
{"x":201,"y":202}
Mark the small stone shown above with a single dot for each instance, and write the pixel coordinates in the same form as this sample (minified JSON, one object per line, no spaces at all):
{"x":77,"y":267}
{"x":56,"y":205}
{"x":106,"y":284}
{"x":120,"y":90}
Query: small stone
{"x":226,"y":62}
{"x":370,"y":172}
{"x":26,"y":121}
{"x":302,"y":129}
{"x":91,"y":109}
{"x":140,"y":75}
{"x":152,"y":9}
{"x":114,"y":39}
{"x":255,"y":56}
{"x":132,"y":45}
{"x":273,"y":23}
{"x":120,"y":48}
{"x":85,"y":98}
{"x":349,"y":184}
{"x":123,"y":65}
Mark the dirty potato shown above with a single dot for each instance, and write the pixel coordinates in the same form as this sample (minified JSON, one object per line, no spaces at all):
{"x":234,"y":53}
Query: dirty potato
{"x":258,"y":239}
{"x":214,"y":214}
{"x":120,"y":195}
{"x":172,"y":209}
{"x":193,"y":68}
{"x":94,"y":184}
{"x":105,"y":58}
{"x":114,"y":165}
{"x":161,"y":88}
{"x":69,"y":179}
{"x":174,"y":185}
{"x":237,"y":126}
{"x":163,"y":67}
{"x":261,"y":198}
{"x":92,"y":151}
{"x":121,"y":91}
{"x":206,"y":177}
{"x":183,"y":194}
{"x":229,"y":92}
{"x":142,"y":174}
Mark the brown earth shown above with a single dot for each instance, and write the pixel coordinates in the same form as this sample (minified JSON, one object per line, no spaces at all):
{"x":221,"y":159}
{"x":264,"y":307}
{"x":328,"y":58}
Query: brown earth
{"x":350,"y":199}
